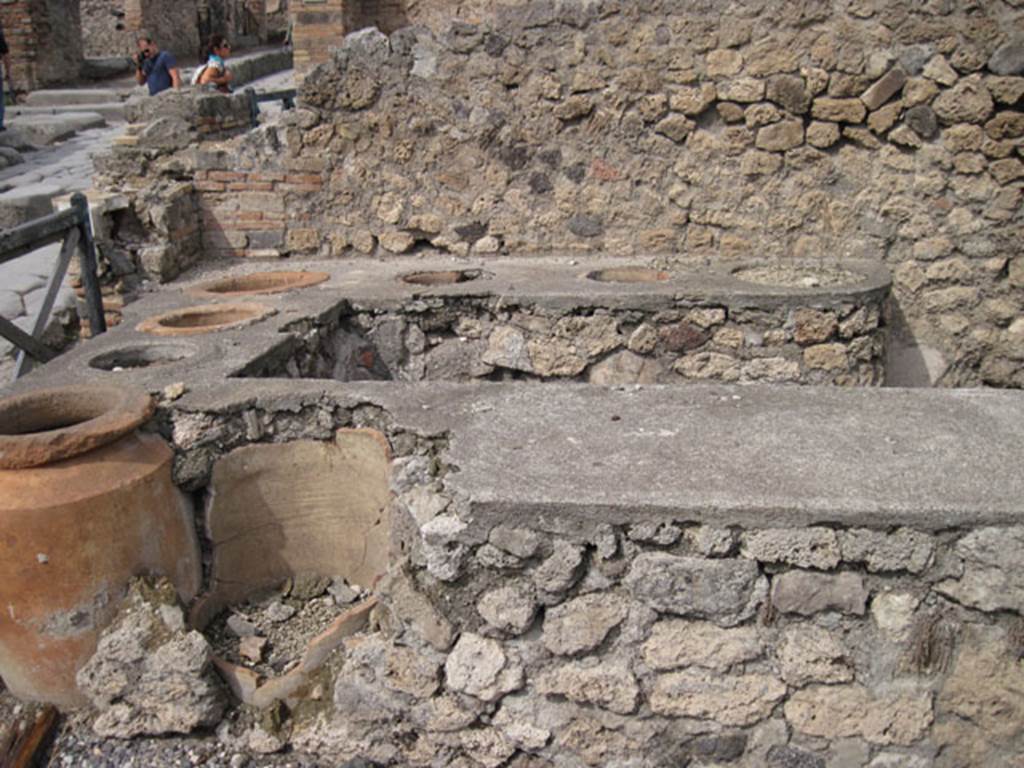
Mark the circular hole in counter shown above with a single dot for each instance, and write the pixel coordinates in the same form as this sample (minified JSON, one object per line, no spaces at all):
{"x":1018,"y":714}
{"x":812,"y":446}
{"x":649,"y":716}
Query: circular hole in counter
{"x":260,"y":283}
{"x":141,"y":356}
{"x":442,"y":277}
{"x":632,"y":274}
{"x":203,"y":319}
{"x":797,"y":275}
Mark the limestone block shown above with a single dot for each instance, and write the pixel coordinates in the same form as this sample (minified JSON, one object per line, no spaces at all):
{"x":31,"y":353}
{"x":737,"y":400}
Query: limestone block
{"x":804,"y":548}
{"x":810,"y":654}
{"x":992,"y":580}
{"x":967,"y":102}
{"x":150,"y":675}
{"x":893,"y":613}
{"x":708,"y":365}
{"x":883,"y":119}
{"x":884,"y":88}
{"x":902,"y":550}
{"x":415,"y":611}
{"x":780,"y":137}
{"x":850,"y":710}
{"x":1005,"y":90}
{"x":838,"y":110}
{"x":726,"y":591}
{"x":774,"y":369}
{"x":726,"y":699}
{"x":744,"y":90}
{"x":724,"y":63}
{"x":583,"y":623}
{"x":692,"y":100}
{"x":675,"y":127}
{"x":807,"y":593}
{"x":304,"y":506}
{"x":1005,"y":125}
{"x":606,"y":684}
{"x":813,"y":326}
{"x":521,"y":542}
{"x":827,"y":357}
{"x":624,"y":367}
{"x":479,"y":667}
{"x":822,"y":135}
{"x":676,"y":643}
{"x":510,"y":608}
{"x":506,"y":348}
{"x":408,"y":671}
{"x":939,"y":70}
{"x":561,"y":569}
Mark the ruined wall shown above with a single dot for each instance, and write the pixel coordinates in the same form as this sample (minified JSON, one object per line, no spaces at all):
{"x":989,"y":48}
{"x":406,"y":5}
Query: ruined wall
{"x":813,"y":131}
{"x":623,"y":638}
{"x":45,"y":39}
{"x":104,"y":32}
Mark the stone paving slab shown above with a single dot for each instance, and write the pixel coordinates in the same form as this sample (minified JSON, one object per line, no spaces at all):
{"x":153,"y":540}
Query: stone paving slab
{"x":64,"y":97}
{"x":110,"y":110}
{"x":48,"y":129}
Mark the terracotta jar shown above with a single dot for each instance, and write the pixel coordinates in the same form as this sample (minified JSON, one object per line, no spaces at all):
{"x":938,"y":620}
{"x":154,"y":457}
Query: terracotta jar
{"x":86,"y":503}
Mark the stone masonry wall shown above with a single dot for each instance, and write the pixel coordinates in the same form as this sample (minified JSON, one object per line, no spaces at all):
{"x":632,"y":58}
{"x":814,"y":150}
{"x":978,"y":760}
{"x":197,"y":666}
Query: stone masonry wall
{"x":810,"y":130}
{"x":497,"y":339}
{"x":45,"y":39}
{"x":104,"y":31}
{"x":558,"y":640}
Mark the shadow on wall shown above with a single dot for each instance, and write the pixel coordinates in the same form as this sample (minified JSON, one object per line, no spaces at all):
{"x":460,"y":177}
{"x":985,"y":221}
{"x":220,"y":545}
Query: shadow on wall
{"x":386,"y":15}
{"x":909,"y":363}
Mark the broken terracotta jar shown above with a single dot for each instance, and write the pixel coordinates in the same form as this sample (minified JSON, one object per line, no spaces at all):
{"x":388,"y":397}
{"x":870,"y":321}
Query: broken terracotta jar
{"x":86,"y":503}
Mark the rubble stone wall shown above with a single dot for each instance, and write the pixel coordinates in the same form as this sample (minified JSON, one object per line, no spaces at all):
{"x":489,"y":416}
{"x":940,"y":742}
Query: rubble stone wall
{"x":104,"y":31}
{"x":498,"y":339}
{"x":619,"y":638}
{"x":822,"y":131}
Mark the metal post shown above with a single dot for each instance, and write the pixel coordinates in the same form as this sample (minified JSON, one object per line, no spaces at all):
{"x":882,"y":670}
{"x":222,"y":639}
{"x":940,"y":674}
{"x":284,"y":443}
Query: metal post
{"x":87,"y":252}
{"x":254,"y":107}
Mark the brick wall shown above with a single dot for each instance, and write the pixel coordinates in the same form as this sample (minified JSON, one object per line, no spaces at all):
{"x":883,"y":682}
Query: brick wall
{"x":45,"y":38}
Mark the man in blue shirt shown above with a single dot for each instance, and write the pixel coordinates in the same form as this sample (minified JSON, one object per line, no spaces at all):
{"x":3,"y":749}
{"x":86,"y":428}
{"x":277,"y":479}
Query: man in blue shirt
{"x":155,"y":68}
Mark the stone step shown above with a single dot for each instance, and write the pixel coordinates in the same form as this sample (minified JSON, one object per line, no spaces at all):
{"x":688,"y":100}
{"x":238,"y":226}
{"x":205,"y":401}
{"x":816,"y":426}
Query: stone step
{"x":42,"y":130}
{"x":70,"y":96}
{"x":27,"y":202}
{"x":111,"y":110}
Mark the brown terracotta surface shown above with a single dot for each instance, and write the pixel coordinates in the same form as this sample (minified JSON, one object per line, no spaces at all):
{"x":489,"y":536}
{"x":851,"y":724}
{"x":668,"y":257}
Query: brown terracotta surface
{"x":259,"y":283}
{"x":53,"y":424}
{"x":72,"y":534}
{"x":203,"y":319}
{"x":299,"y":507}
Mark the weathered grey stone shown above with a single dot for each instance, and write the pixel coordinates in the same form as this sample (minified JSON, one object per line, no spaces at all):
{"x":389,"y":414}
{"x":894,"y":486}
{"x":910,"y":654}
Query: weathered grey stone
{"x":675,"y":643}
{"x":1008,"y":59}
{"x":479,"y":667}
{"x":520,"y":723}
{"x":780,"y":756}
{"x":901,"y":550}
{"x":416,"y":611}
{"x":506,"y":348}
{"x":606,"y":684}
{"x":805,"y":548}
{"x":726,"y":699}
{"x":561,"y":569}
{"x":893,"y":613}
{"x":510,"y":608}
{"x":884,"y":88}
{"x":442,"y":546}
{"x":810,"y":654}
{"x":583,"y":623}
{"x":966,"y":102}
{"x":745,"y":90}
{"x":938,"y":69}
{"x":662,"y":534}
{"x":692,"y":100}
{"x":850,"y":710}
{"x":923,"y":121}
{"x":773,"y":369}
{"x":808,"y":593}
{"x":711,"y":541}
{"x":583,"y":225}
{"x":992,"y":579}
{"x":726,"y":591}
{"x":521,"y":542}
{"x":150,"y":675}
{"x":445,"y":713}
{"x":708,"y":365}
{"x":822,"y":135}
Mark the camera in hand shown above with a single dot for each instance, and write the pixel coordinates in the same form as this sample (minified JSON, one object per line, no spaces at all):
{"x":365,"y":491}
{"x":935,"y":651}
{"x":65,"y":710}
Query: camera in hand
{"x":140,"y":58}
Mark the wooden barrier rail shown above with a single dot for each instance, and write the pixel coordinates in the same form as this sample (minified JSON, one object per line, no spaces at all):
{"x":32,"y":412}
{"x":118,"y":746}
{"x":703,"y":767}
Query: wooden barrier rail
{"x":73,"y":227}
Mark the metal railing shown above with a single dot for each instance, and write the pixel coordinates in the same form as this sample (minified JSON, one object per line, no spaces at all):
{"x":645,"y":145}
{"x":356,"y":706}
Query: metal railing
{"x":73,"y":227}
{"x":286,"y":97}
